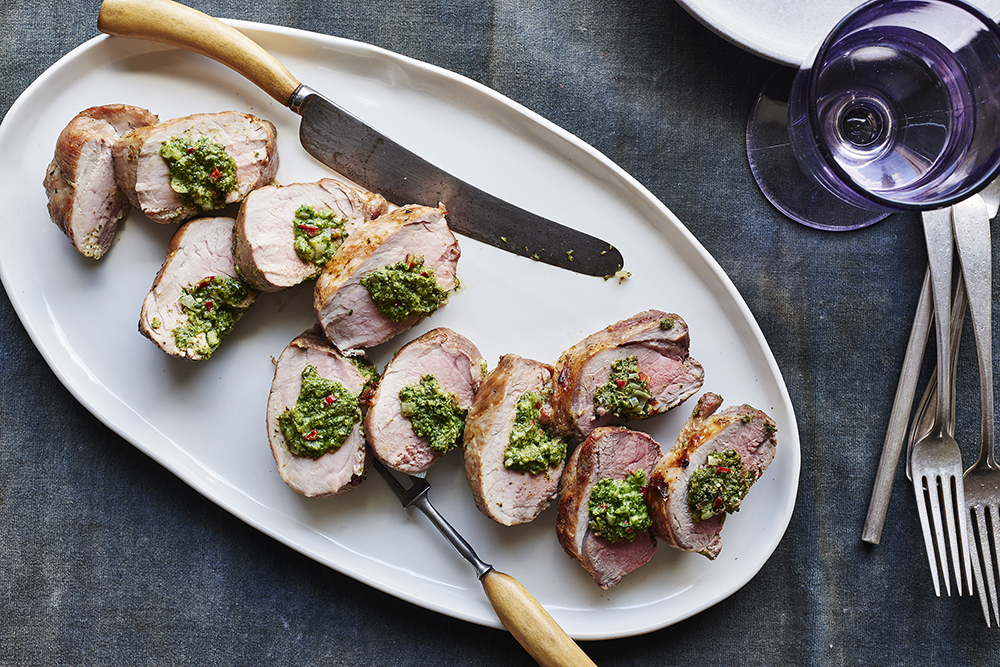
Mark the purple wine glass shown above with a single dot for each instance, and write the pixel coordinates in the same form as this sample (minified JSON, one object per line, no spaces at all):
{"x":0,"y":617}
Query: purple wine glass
{"x":898,"y":109}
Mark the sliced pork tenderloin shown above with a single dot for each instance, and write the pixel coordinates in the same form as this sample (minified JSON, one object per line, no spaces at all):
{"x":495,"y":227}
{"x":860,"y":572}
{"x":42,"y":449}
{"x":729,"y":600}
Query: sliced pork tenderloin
{"x":609,"y":454}
{"x":197,"y":296}
{"x":417,"y":413}
{"x":145,"y":175}
{"x":701,"y":446}
{"x":516,"y":494}
{"x":84,"y":199}
{"x":272,"y":221}
{"x":634,"y":369}
{"x":411,"y":249}
{"x":315,"y":420}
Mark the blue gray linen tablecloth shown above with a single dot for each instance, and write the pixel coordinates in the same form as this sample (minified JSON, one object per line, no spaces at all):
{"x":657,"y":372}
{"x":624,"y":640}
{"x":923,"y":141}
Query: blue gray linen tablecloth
{"x":106,"y":558}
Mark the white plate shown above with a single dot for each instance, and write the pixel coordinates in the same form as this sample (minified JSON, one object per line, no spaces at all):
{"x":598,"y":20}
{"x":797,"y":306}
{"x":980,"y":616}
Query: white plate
{"x":785,"y":31}
{"x":205,"y":421}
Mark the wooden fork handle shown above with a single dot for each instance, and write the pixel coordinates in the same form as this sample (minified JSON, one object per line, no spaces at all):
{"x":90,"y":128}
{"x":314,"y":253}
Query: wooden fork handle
{"x":530,"y":624}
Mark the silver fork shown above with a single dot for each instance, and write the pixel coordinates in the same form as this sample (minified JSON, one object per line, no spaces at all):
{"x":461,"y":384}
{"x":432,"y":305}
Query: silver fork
{"x":971,"y":225}
{"x":936,"y":462}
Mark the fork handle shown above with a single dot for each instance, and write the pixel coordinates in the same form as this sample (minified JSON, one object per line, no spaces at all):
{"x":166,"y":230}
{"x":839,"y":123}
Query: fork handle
{"x":972,"y":236}
{"x":530,"y":624}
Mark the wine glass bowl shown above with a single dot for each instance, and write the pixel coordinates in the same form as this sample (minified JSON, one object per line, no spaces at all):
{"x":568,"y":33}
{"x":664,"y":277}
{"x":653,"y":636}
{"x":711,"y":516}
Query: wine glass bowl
{"x":898,"y":109}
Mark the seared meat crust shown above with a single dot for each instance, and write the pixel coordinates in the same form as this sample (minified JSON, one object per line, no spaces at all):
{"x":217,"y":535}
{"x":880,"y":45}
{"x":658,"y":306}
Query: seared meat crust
{"x":745,"y":429}
{"x":84,"y":200}
{"x":454,"y":361}
{"x":335,"y":472}
{"x":608,"y":452}
{"x":662,"y":354}
{"x":508,"y":497}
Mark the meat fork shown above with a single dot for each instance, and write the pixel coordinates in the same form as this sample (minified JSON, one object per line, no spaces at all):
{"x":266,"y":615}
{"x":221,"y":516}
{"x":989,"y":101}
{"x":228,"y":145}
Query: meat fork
{"x":982,"y":481}
{"x":517,"y":609}
{"x":935,"y":461}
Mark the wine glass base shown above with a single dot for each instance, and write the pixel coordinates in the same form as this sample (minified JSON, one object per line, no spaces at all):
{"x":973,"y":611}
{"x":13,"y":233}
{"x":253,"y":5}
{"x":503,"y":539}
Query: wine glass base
{"x":778,"y":173}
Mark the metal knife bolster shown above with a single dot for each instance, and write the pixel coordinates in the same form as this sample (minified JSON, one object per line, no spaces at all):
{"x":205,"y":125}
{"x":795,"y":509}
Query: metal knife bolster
{"x":352,"y":148}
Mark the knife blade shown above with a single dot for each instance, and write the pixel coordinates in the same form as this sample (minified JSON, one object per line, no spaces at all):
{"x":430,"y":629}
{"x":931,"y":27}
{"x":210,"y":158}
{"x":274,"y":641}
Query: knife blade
{"x":358,"y":151}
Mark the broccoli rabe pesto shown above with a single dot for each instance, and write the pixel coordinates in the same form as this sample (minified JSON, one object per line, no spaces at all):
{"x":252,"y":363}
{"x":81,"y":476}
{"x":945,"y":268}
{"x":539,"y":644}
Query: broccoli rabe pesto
{"x":626,"y":393}
{"x":212,"y":307}
{"x":618,"y":507}
{"x":719,"y":486}
{"x":531,"y":448}
{"x":405,"y":288}
{"x":318,"y":234}
{"x":201,"y":171}
{"x":434,"y":413}
{"x":322,"y":417}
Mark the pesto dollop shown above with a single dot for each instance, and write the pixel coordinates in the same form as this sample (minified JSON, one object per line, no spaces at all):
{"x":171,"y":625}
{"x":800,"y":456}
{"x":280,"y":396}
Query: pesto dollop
{"x":212,"y":306}
{"x":318,"y":234}
{"x":719,"y":486}
{"x":201,"y":171}
{"x":322,"y":417}
{"x":626,"y":393}
{"x":618,"y":507}
{"x":531,"y":448}
{"x":405,"y":288}
{"x":434,"y":413}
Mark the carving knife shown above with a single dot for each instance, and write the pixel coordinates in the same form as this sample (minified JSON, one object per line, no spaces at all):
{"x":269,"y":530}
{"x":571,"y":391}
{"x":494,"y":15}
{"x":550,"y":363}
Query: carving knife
{"x":352,"y":148}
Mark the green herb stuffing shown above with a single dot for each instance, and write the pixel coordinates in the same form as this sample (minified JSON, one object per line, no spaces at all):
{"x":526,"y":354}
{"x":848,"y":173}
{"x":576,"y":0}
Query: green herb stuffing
{"x":318,"y":234}
{"x":201,"y":171}
{"x":618,"y":508}
{"x":667,"y":323}
{"x":405,"y":288}
{"x":322,"y":417}
{"x":434,"y":413}
{"x":626,"y":393}
{"x":531,"y":448}
{"x":719,"y":486}
{"x":212,"y":307}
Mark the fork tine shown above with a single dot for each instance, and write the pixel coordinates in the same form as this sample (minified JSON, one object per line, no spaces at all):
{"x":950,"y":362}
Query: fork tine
{"x":962,"y":513}
{"x":922,"y":487}
{"x":981,"y":540}
{"x":992,"y":552}
{"x":956,"y":531}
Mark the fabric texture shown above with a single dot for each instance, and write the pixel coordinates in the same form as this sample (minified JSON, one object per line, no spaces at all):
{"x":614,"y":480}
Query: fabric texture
{"x":107,"y":558}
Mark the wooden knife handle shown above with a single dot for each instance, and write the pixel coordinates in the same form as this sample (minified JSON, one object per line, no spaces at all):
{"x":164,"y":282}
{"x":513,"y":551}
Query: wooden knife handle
{"x":530,"y":624}
{"x":181,"y":26}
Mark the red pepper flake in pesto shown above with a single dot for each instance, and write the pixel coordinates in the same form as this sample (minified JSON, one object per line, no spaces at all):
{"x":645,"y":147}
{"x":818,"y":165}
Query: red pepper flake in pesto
{"x":208,"y":306}
{"x":309,"y":229}
{"x":329,"y":400}
{"x":716,"y":504}
{"x":215,"y":174}
{"x":206,"y":281}
{"x":723,"y":469}
{"x":311,"y":435}
{"x":190,"y":150}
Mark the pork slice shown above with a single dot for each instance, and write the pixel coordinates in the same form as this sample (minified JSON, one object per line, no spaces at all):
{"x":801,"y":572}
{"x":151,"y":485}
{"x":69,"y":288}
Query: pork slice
{"x":84,"y":200}
{"x":609,"y":452}
{"x":349,"y":317}
{"x":143,"y":175}
{"x":337,"y":471}
{"x":507,"y":496}
{"x":265,"y":228}
{"x":742,"y":428}
{"x":200,"y":250}
{"x":660,"y":343}
{"x":454,"y":361}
